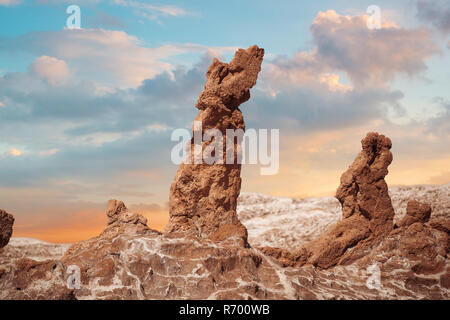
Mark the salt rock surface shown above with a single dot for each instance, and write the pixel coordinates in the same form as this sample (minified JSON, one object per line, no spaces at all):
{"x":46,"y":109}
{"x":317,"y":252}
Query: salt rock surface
{"x":203,"y":197}
{"x":6,"y":227}
{"x":289,"y":223}
{"x":437,"y":196}
{"x":286,"y":222}
{"x":415,"y":255}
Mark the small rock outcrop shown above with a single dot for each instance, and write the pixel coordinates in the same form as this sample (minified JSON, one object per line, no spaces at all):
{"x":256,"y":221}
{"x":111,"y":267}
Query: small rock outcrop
{"x":203,"y":197}
{"x":120,"y":222}
{"x":6,"y":227}
{"x":114,"y":210}
{"x":366,"y":208}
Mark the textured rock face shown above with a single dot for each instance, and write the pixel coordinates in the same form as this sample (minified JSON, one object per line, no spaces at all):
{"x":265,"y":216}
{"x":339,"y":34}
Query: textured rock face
{"x":203,"y":197}
{"x":418,"y":255}
{"x":6,"y":227}
{"x":363,"y":191}
{"x":114,"y":209}
{"x":120,"y":220}
{"x":19,"y":247}
{"x":130,"y":261}
{"x":366,"y":209}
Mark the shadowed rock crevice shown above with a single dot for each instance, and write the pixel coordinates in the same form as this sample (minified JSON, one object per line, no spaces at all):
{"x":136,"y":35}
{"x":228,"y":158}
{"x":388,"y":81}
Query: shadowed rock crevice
{"x":203,"y":197}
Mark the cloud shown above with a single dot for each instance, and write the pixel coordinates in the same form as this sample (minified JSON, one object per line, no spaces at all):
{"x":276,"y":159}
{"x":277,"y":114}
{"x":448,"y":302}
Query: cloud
{"x":367,"y":57}
{"x":50,"y":69}
{"x":305,"y":109}
{"x":80,"y":2}
{"x":435,"y":12}
{"x":104,"y":132}
{"x":49,"y":152}
{"x":158,"y":104}
{"x":10,"y":2}
{"x":116,"y":57}
{"x":143,"y":9}
{"x":439,"y":126}
{"x":73,"y":131}
{"x":326,"y":99}
{"x":152,"y":12}
{"x":105,"y":51}
{"x":15,"y":152}
{"x":104,"y":20}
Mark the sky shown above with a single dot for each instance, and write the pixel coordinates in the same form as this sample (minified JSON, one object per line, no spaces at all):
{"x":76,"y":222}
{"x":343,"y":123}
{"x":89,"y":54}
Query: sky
{"x":86,"y":114}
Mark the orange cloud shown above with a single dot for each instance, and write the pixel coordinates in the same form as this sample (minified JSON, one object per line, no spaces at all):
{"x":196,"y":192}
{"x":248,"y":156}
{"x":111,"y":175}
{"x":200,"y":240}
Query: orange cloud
{"x":15,"y":152}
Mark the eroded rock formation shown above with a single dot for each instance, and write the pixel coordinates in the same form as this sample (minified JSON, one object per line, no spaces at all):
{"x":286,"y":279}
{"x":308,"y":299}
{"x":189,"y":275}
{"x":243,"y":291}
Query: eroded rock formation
{"x":6,"y":227}
{"x":203,"y":197}
{"x":130,"y":261}
{"x":366,"y":208}
{"x":120,"y":221}
{"x":417,"y":251}
{"x":363,"y":192}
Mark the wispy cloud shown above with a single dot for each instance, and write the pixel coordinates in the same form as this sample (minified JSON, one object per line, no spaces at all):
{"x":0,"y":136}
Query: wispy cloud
{"x":10,"y":2}
{"x":435,"y":12}
{"x":152,"y":12}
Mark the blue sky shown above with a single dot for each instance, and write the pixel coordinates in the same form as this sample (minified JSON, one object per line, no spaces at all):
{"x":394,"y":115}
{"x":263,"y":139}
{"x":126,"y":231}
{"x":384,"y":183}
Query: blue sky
{"x":86,"y":115}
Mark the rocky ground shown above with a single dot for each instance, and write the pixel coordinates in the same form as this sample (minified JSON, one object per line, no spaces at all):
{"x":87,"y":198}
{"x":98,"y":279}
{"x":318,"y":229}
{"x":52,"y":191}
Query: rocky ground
{"x":290,"y":222}
{"x":144,"y":264}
